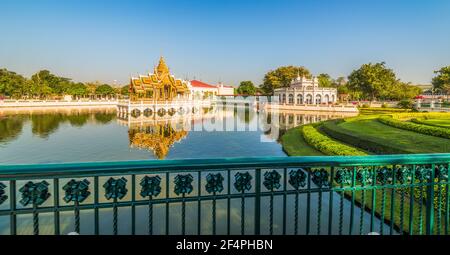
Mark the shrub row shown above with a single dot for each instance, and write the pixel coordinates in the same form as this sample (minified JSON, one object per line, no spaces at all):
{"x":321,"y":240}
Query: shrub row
{"x":420,"y":121}
{"x":410,"y":115}
{"x":327,"y":145}
{"x":423,"y":129}
{"x":370,"y":144}
{"x":385,"y":110}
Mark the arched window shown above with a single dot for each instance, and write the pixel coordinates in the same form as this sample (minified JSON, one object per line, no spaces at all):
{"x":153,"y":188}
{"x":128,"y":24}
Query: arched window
{"x":327,"y":98}
{"x":333,"y":98}
{"x":291,"y":99}
{"x":309,"y":99}
{"x":299,"y":99}
{"x":284,"y":99}
{"x":318,"y":99}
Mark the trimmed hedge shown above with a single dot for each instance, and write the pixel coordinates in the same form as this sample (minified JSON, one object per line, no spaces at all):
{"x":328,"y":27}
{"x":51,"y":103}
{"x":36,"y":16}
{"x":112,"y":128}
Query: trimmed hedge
{"x":419,"y":128}
{"x":410,"y":115}
{"x":420,"y":121}
{"x":367,"y":143}
{"x":384,"y":110}
{"x":327,"y":145}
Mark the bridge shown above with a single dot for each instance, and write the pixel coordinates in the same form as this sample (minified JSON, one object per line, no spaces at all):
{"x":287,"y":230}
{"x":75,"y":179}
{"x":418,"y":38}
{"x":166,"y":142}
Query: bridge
{"x":388,"y":194}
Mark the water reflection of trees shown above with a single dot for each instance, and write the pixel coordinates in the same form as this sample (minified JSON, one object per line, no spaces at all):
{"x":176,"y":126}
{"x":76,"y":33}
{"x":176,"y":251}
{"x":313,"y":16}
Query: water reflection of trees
{"x":10,"y":128}
{"x":103,"y":118}
{"x":245,"y":114}
{"x":43,"y":124}
{"x":46,"y":124}
{"x":157,"y":138}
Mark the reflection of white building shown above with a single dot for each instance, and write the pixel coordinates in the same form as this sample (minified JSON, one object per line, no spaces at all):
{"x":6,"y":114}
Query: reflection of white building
{"x":306,"y":91}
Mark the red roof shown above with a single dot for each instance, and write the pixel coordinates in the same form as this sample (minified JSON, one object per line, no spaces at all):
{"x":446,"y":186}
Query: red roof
{"x":200,"y":84}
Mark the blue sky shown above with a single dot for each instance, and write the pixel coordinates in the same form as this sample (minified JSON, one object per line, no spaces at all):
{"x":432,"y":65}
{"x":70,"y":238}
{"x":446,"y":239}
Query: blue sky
{"x":223,"y":40}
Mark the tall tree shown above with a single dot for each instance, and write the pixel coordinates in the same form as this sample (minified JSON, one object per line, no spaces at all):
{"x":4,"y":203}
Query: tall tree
{"x":41,"y":83}
{"x":282,"y":77}
{"x":339,"y":81}
{"x":92,"y":87}
{"x":58,"y":85}
{"x":77,"y":89}
{"x":404,"y":91}
{"x":105,"y":90}
{"x":373,"y":80}
{"x":441,"y":82}
{"x":11,"y":83}
{"x":125,"y":90}
{"x":325,"y":80}
{"x":246,"y":88}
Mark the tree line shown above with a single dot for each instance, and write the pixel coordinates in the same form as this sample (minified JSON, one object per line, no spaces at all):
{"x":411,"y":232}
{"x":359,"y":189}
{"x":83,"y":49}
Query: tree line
{"x":45,"y":85}
{"x":372,"y":81}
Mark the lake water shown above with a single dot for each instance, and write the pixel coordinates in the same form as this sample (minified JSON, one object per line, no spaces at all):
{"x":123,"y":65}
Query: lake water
{"x":77,"y":135}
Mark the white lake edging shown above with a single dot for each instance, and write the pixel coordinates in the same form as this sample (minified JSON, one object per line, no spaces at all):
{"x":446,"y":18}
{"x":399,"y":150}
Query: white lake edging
{"x":55,"y":103}
{"x":317,"y":108}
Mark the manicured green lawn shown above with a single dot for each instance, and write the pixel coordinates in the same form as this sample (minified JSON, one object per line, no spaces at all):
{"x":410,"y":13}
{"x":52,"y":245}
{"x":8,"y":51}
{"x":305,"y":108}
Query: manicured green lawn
{"x":368,"y":128}
{"x":397,"y":203}
{"x":294,"y":144}
{"x":409,"y":141}
{"x":437,"y":122}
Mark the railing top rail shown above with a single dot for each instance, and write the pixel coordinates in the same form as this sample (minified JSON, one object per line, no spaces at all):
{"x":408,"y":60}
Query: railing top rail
{"x":136,"y":167}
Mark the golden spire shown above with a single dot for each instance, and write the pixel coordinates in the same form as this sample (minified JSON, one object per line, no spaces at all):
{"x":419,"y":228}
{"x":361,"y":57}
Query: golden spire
{"x":162,"y":67}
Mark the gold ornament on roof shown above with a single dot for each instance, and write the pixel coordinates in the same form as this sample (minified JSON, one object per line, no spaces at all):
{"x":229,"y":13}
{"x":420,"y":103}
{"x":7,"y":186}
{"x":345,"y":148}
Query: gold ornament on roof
{"x":162,"y":67}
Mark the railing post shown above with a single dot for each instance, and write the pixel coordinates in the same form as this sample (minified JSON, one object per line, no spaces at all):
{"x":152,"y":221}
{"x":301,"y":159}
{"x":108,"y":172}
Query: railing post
{"x":13,"y":217}
{"x":257,"y":201}
{"x":430,"y":203}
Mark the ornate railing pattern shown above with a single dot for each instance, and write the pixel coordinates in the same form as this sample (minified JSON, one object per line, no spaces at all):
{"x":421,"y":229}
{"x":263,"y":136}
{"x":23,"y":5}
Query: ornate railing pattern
{"x":390,"y":194}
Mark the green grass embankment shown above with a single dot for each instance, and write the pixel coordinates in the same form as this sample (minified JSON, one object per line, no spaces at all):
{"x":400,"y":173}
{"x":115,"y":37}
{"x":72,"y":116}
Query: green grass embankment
{"x":418,"y":128}
{"x":295,"y":145}
{"x":376,"y":137}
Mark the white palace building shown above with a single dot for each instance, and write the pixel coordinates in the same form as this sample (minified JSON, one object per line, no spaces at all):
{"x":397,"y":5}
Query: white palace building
{"x":306,"y":91}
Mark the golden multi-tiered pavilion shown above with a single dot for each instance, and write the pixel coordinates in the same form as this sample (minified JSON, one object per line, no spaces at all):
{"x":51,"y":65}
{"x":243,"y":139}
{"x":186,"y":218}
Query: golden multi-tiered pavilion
{"x":159,"y":86}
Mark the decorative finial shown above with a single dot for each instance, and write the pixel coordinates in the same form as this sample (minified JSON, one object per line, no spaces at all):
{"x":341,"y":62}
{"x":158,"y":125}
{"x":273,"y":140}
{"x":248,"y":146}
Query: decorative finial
{"x":162,"y":67}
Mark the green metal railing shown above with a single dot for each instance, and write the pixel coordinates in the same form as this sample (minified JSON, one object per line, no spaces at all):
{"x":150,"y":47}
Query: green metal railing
{"x":388,"y":194}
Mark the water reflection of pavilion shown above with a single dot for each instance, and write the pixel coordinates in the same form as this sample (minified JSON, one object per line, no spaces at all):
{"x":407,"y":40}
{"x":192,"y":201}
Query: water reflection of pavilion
{"x":158,"y":132}
{"x":170,"y":115}
{"x":157,"y":137}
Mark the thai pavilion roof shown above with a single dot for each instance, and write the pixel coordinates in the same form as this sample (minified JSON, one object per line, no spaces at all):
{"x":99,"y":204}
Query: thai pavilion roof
{"x":161,"y":77}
